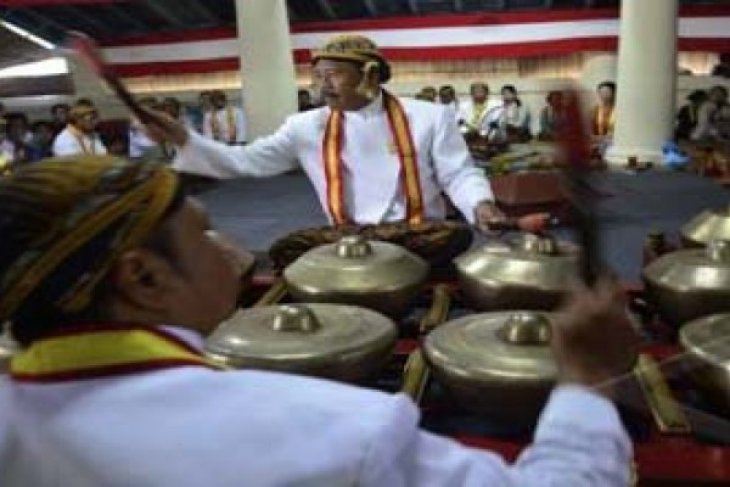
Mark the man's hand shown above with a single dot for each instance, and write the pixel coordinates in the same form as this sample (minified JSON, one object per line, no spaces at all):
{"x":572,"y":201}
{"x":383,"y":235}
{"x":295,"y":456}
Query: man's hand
{"x":486,"y":213}
{"x":162,"y":128}
{"x":593,"y":338}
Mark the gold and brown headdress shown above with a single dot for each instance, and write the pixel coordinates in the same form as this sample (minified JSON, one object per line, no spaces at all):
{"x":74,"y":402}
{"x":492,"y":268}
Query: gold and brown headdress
{"x":63,"y":222}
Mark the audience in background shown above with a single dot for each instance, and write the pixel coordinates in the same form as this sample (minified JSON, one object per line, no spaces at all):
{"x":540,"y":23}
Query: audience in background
{"x":552,"y":116}
{"x":688,"y":115}
{"x":140,"y":145}
{"x":604,"y":116}
{"x":447,"y":96}
{"x":713,"y":117}
{"x":723,"y":68}
{"x":41,"y":145}
{"x":224,"y":122}
{"x":427,"y":93}
{"x":512,"y":118}
{"x":7,"y":149}
{"x":59,"y":117}
{"x":476,"y":114}
{"x":304,"y":100}
{"x":197,"y":113}
{"x":79,"y":136}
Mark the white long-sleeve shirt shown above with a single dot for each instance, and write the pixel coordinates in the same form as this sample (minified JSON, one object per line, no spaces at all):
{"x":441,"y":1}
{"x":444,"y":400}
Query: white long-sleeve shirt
{"x":190,"y":426}
{"x":372,"y":189}
{"x":69,"y":142}
{"x":490,"y":113}
{"x":224,"y":117}
{"x":711,"y":118}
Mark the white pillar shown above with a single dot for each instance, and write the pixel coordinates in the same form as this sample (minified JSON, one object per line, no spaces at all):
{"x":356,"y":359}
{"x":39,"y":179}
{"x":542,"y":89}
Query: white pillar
{"x":647,"y":78}
{"x":267,"y":67}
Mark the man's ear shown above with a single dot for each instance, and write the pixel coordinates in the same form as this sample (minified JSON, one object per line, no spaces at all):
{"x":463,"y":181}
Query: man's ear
{"x":144,"y":279}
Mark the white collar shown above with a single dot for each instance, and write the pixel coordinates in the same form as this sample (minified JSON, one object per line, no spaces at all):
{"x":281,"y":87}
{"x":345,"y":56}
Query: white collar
{"x":191,"y":337}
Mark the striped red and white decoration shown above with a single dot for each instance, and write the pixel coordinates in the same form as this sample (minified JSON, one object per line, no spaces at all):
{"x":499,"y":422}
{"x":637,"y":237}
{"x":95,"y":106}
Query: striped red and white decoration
{"x":516,"y":34}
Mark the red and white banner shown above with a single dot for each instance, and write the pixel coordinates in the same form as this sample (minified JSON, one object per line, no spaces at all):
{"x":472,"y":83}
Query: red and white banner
{"x":422,"y":38}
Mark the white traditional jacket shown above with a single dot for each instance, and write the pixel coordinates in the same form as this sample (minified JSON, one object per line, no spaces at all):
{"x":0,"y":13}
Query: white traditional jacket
{"x":489,"y":114}
{"x":70,"y":143}
{"x":191,"y":426}
{"x":372,"y":189}
{"x":224,"y":117}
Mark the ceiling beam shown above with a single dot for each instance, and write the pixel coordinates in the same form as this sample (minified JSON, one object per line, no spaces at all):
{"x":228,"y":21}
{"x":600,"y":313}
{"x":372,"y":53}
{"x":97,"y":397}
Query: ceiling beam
{"x":86,"y":19}
{"x":413,"y":5}
{"x":130,"y":19}
{"x":56,"y":3}
{"x":201,"y":9}
{"x":40,"y":25}
{"x":458,"y":6}
{"x":326,"y":7}
{"x":371,"y":7}
{"x":548,"y":4}
{"x":165,"y":12}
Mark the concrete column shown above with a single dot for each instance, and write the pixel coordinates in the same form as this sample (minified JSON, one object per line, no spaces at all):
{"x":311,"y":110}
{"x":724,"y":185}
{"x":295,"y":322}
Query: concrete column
{"x":647,"y":78}
{"x":267,"y":67}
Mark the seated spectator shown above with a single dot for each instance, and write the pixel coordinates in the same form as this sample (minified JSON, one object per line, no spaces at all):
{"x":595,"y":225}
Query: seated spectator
{"x":713,"y":117}
{"x":512,"y":119}
{"x":476,"y":113}
{"x":552,"y":116}
{"x":688,"y":115}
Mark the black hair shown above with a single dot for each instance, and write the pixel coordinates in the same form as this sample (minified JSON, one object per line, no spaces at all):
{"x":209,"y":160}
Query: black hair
{"x":513,"y":90}
{"x":607,"y":84}
{"x":553,"y":94}
{"x":478,"y":84}
{"x":719,"y":88}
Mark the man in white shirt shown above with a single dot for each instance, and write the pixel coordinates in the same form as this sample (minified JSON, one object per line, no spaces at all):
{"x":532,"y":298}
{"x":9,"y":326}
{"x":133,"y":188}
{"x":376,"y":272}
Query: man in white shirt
{"x":224,"y":122}
{"x":370,"y":156}
{"x":112,"y":389}
{"x":476,"y":114}
{"x":79,"y":136}
{"x":713,"y":117}
{"x":140,"y":144}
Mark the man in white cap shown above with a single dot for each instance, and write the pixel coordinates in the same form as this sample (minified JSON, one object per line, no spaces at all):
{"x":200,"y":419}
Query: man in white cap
{"x":372,"y":157}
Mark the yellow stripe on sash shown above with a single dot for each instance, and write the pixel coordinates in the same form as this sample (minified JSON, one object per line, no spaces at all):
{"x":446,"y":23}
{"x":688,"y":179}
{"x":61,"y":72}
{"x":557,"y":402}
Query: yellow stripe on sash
{"x":96,"y":353}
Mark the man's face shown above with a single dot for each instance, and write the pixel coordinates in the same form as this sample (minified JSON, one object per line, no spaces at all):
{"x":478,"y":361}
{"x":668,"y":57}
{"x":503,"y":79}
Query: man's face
{"x":718,"y":96}
{"x":219,"y":101}
{"x":605,"y":94}
{"x":208,"y":270}
{"x":88,"y":122}
{"x":60,"y":114}
{"x":337,"y":82}
{"x":446,"y":97}
{"x":479,"y":94}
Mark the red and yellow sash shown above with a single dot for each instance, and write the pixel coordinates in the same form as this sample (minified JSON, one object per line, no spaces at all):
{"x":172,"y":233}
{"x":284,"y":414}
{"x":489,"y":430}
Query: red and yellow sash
{"x":333,"y":142}
{"x":80,"y":139}
{"x":96,"y":351}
